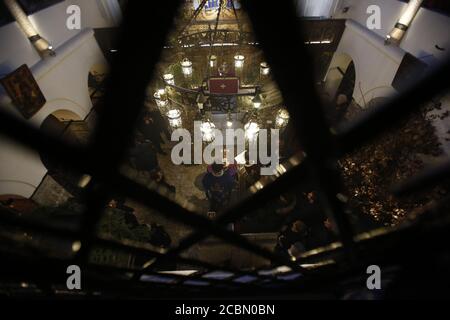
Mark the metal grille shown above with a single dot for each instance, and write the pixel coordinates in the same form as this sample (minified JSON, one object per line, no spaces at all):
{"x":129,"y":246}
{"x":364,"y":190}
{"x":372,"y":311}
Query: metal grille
{"x":101,"y":160}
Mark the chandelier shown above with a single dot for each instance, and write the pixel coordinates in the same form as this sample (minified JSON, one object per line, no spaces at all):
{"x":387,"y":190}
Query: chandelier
{"x":218,"y":71}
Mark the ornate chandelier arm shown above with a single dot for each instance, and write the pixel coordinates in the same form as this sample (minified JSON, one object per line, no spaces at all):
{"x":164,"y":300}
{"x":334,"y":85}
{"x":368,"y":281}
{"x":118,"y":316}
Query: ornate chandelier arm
{"x":195,"y":15}
{"x":241,"y":31}
{"x":214,"y":33}
{"x":213,"y":37}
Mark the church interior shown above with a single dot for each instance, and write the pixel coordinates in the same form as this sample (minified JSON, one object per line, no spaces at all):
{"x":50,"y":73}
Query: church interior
{"x":224,"y":147}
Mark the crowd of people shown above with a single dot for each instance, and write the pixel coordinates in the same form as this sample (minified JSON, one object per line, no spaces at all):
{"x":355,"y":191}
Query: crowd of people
{"x":148,"y":143}
{"x":143,"y":159}
{"x":295,"y":215}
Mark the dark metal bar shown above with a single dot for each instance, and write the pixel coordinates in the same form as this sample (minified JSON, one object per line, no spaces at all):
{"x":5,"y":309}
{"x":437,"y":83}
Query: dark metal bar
{"x":171,"y":209}
{"x":124,"y":99}
{"x":70,"y":234}
{"x":294,"y":75}
{"x":423,"y":180}
{"x":150,"y":198}
{"x":246,"y":206}
{"x":12,"y":128}
{"x":376,"y":120}
{"x":318,"y":143}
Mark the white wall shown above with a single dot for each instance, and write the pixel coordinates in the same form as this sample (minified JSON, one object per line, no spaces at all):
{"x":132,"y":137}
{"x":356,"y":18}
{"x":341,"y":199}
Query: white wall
{"x":316,"y":8}
{"x":51,"y":24}
{"x":375,"y":63}
{"x":63,"y":80}
{"x":428,"y":29}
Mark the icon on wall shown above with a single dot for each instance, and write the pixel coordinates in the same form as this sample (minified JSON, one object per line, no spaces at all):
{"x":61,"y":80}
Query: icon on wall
{"x":24,"y":91}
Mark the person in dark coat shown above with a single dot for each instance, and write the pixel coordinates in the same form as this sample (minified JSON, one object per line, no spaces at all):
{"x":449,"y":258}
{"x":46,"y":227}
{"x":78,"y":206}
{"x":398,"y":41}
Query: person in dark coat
{"x":296,"y":232}
{"x":218,"y":185}
{"x":159,"y":236}
{"x":160,"y":122}
{"x":143,"y":157}
{"x":151,"y":128}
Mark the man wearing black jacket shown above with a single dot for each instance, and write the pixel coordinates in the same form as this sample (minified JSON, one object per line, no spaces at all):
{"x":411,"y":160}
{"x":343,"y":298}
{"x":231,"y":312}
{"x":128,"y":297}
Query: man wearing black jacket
{"x":143,"y":157}
{"x":152,"y":126}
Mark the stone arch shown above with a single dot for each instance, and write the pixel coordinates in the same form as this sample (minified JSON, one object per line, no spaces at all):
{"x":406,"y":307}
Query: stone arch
{"x":342,"y":68}
{"x":378,"y":101}
{"x":58,"y":105}
{"x":373,"y":96}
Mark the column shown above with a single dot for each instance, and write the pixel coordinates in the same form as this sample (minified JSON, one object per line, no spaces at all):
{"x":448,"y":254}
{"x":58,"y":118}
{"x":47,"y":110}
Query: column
{"x":397,"y":34}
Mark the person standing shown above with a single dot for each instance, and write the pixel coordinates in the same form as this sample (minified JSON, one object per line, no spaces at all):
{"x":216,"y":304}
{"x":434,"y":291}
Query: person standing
{"x":218,"y":184}
{"x":161,"y":123}
{"x":151,"y":128}
{"x":296,"y":233}
{"x":144,"y":158}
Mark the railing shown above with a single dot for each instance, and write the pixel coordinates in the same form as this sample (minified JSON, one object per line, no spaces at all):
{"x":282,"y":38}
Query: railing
{"x":221,"y":38}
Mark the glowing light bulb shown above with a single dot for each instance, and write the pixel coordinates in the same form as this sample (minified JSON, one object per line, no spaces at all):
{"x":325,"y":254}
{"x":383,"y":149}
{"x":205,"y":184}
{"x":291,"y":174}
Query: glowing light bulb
{"x":239,"y":61}
{"x":264,"y":69}
{"x":169,"y":79}
{"x":186,"y":67}
{"x":174,"y":116}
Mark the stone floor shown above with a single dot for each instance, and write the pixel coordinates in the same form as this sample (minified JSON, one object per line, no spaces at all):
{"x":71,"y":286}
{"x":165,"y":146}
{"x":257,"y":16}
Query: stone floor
{"x":187,"y":181}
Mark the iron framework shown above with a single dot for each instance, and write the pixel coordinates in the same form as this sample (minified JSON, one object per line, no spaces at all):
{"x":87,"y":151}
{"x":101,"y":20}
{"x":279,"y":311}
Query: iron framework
{"x":112,"y":136}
